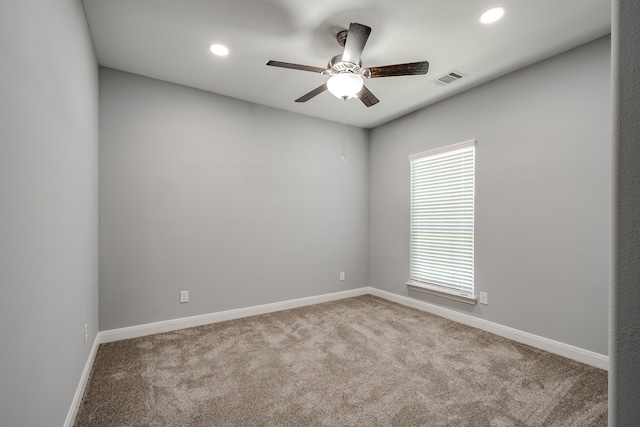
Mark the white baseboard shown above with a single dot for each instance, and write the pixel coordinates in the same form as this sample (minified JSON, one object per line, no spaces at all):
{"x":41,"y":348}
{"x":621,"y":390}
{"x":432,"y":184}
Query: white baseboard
{"x":221,"y":316}
{"x":82,"y":384}
{"x":556,"y":347}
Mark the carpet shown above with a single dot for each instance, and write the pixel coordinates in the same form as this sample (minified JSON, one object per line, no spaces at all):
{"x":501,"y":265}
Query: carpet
{"x":360,"y":361}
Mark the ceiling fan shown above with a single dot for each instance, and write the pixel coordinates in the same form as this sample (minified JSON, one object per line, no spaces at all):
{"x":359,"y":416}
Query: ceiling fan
{"x":346,"y":71}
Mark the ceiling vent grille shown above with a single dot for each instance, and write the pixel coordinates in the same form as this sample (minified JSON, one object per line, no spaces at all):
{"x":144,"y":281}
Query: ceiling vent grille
{"x":449,"y":78}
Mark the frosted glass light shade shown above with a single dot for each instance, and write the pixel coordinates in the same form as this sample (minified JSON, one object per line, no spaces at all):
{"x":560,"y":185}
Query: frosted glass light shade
{"x":345,"y":85}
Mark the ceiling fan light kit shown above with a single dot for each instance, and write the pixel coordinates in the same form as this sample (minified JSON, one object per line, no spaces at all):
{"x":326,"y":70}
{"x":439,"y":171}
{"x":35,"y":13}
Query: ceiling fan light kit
{"x":345,"y":85}
{"x":347,"y":74}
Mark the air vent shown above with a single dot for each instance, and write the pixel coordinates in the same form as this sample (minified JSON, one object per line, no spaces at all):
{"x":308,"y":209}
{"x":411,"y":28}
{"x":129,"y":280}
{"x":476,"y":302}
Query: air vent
{"x":449,"y":78}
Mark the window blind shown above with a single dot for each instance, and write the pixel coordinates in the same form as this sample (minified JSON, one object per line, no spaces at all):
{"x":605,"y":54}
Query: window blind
{"x":442,"y":207}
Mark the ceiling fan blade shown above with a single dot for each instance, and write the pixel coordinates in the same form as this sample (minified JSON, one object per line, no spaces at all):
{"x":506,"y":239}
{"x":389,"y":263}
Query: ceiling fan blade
{"x":296,"y":66}
{"x":316,"y":91}
{"x":367,"y":97}
{"x":356,"y":39}
{"x":409,"y":69}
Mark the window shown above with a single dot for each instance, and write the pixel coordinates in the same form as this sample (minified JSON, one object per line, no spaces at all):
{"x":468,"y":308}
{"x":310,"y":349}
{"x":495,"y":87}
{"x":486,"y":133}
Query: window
{"x":442,"y":204}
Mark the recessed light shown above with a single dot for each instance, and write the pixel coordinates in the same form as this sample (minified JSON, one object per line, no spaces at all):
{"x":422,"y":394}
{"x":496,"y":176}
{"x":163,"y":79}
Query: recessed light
{"x":492,"y":15}
{"x":218,"y":49}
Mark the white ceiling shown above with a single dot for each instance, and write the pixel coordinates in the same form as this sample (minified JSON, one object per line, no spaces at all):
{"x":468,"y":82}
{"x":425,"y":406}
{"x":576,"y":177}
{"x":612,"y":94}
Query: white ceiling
{"x":169,"y":39}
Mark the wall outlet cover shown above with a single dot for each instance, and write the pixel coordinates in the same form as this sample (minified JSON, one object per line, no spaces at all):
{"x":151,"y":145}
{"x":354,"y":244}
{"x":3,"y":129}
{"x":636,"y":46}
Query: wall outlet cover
{"x":184,"y":296}
{"x":484,"y":298}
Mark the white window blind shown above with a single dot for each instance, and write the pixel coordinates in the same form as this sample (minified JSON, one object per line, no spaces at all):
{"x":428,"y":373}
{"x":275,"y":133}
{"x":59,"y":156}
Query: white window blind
{"x":442,"y":206}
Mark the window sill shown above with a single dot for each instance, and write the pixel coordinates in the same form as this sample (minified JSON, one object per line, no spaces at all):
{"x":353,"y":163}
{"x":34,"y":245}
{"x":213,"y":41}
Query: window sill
{"x":441,"y":293}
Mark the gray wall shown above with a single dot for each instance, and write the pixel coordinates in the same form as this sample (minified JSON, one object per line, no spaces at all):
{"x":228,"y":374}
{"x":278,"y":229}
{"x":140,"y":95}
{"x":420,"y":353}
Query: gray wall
{"x":624,"y":374}
{"x":542,"y":195}
{"x":238,"y":203}
{"x":49,"y":208}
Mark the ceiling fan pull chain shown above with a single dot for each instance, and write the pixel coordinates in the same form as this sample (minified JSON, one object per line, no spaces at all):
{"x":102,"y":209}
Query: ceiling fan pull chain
{"x":344,"y":136}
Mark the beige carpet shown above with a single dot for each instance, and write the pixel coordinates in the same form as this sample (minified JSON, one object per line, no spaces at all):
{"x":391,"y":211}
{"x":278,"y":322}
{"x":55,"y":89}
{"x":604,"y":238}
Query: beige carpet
{"x":356,"y":362}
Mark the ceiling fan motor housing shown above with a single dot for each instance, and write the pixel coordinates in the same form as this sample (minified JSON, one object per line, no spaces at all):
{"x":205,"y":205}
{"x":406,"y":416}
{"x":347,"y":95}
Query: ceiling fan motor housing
{"x":337,"y":66}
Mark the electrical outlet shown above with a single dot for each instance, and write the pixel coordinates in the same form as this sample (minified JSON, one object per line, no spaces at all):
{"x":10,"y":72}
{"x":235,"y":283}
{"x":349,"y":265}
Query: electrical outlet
{"x":342,"y":275}
{"x":484,"y":298}
{"x":86,"y":332}
{"x":184,"y":296}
